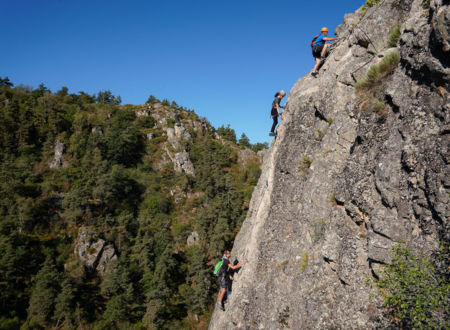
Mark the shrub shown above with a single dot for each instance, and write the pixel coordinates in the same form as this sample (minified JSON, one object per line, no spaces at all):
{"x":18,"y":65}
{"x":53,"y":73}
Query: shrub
{"x":152,"y":100}
{"x":414,"y":292}
{"x":320,"y":134}
{"x":371,"y":3}
{"x":170,"y":122}
{"x":227,"y":133}
{"x":307,"y":161}
{"x":146,"y":122}
{"x":377,"y":71}
{"x":333,"y":199}
{"x":426,"y":4}
{"x":371,"y":104}
{"x":319,"y":228}
{"x":304,"y":262}
{"x":394,"y":36}
{"x":378,"y":105}
{"x":259,"y":146}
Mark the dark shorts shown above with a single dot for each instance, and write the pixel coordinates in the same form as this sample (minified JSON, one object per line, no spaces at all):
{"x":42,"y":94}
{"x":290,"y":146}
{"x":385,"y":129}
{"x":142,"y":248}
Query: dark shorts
{"x":223,"y":282}
{"x":317,"y":50}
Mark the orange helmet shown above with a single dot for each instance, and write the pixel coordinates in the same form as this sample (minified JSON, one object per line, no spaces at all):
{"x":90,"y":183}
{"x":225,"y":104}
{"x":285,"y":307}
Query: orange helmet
{"x":324,"y":29}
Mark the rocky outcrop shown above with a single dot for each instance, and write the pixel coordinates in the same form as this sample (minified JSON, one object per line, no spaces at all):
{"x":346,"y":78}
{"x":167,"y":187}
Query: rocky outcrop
{"x":177,"y":134}
{"x":180,"y":159}
{"x":97,"y":130}
{"x":57,"y":159}
{"x":93,"y":252}
{"x":108,"y":255}
{"x":245,"y":155}
{"x":144,"y":112}
{"x":182,"y":163}
{"x":344,"y":182}
{"x":193,"y":238}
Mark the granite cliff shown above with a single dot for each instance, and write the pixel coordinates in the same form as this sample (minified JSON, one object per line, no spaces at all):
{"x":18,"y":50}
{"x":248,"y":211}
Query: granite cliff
{"x":352,"y":173}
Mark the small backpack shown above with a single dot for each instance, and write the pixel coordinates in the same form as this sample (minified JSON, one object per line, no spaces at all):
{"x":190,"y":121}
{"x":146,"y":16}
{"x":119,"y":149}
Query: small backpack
{"x":313,"y":42}
{"x":218,"y":268}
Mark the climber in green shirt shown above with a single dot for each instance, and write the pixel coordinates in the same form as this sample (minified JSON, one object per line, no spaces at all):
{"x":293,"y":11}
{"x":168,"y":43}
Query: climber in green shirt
{"x":225,"y":276}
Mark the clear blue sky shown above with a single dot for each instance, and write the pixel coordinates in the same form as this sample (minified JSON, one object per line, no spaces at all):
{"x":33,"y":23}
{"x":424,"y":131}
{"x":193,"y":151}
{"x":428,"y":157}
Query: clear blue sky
{"x":224,"y":59}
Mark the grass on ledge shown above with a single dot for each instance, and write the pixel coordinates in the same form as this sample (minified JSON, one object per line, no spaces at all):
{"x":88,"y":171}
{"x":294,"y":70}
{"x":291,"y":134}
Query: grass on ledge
{"x":378,"y":71}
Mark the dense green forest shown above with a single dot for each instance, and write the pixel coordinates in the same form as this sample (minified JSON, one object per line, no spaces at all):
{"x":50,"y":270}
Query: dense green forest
{"x":113,"y":192}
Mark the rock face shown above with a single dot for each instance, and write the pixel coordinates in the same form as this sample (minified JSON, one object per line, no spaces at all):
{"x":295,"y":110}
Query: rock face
{"x":180,"y":159}
{"x":108,"y":254}
{"x":193,"y":238}
{"x":57,"y":159}
{"x":182,"y":162}
{"x":343,"y":183}
{"x":93,"y":252}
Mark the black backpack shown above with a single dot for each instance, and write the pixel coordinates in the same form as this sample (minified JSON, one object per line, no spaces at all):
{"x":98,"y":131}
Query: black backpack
{"x":222,"y":270}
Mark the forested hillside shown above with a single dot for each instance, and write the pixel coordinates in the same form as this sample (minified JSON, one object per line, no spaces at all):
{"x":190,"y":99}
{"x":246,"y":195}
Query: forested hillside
{"x":112,"y":216}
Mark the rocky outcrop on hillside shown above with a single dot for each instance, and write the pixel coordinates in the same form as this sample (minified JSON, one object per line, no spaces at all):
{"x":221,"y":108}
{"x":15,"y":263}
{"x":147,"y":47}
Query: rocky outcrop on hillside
{"x":346,"y":180}
{"x":174,"y":150}
{"x":57,"y":159}
{"x":93,"y":252}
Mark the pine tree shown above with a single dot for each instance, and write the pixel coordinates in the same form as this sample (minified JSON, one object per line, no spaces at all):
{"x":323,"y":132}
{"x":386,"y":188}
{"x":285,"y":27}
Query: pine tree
{"x":164,"y":284}
{"x":220,"y":237}
{"x":118,"y":289}
{"x":63,"y":91}
{"x":6,"y":82}
{"x":152,"y":100}
{"x":199,"y":281}
{"x":244,"y":141}
{"x":65,"y":304}
{"x":42,"y":300}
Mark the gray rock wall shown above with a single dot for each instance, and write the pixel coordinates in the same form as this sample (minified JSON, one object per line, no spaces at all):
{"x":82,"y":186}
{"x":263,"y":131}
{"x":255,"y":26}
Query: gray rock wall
{"x":343,"y":183}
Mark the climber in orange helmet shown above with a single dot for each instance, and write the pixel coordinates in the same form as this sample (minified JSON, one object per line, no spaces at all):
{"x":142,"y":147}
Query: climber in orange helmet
{"x":319,"y":48}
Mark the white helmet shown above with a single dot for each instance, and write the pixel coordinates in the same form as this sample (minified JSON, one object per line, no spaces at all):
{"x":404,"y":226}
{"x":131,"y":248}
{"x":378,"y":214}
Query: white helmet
{"x":282,"y":92}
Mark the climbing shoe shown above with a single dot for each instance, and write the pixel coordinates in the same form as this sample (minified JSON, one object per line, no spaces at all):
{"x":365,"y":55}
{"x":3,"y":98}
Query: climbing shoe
{"x":314,"y":74}
{"x":221,"y":307}
{"x":271,"y":134}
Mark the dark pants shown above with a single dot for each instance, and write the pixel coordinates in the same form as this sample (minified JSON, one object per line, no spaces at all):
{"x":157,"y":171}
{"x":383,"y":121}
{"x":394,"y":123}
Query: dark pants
{"x":317,"y":51}
{"x":275,"y":122}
